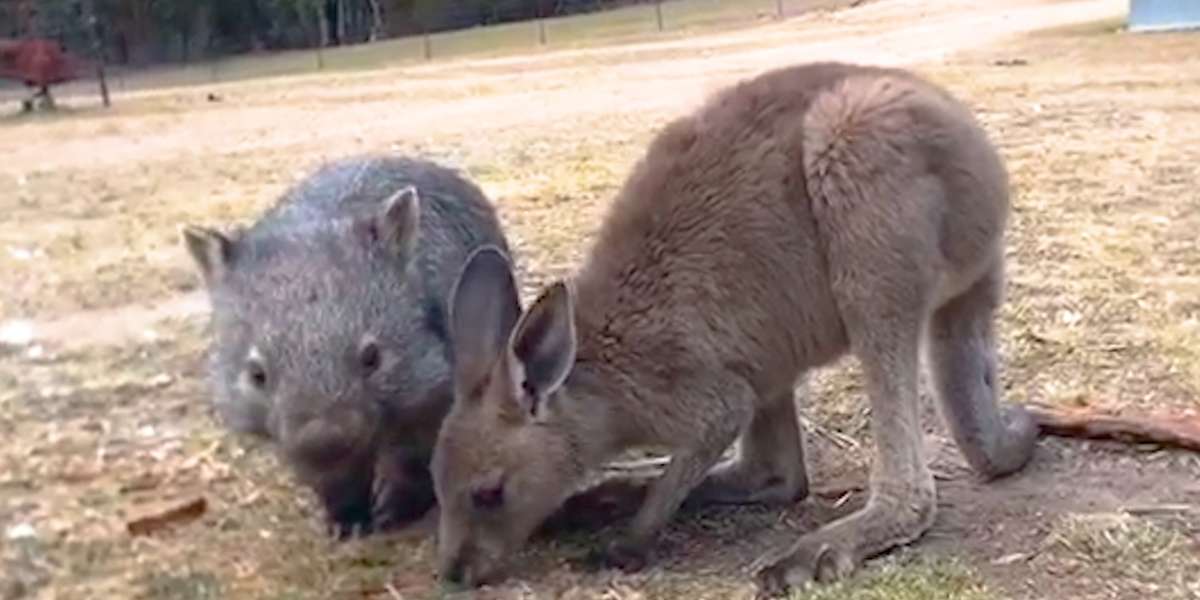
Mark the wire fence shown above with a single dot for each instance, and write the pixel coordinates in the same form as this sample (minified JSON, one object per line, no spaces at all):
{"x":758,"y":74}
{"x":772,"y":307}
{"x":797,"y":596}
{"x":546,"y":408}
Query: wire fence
{"x":631,"y":23}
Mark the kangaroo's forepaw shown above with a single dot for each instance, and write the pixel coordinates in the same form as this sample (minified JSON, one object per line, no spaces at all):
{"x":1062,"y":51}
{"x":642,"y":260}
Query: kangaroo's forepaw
{"x":626,"y":556}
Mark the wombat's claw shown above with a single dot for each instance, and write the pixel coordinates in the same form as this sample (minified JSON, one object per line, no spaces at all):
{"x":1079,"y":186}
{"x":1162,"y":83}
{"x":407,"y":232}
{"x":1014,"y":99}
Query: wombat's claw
{"x":335,"y":531}
{"x":397,"y":506}
{"x":348,"y":531}
{"x":381,"y":499}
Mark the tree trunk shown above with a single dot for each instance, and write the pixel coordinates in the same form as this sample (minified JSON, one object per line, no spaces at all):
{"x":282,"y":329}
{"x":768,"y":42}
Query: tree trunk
{"x":323,"y":20}
{"x":92,"y":26}
{"x":376,"y":20}
{"x":185,"y":41}
{"x":341,"y":22}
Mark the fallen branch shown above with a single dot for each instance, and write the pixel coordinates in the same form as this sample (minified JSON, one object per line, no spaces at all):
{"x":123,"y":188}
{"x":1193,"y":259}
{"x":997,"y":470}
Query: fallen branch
{"x":187,"y":511}
{"x":1177,"y":432}
{"x":1160,"y":509}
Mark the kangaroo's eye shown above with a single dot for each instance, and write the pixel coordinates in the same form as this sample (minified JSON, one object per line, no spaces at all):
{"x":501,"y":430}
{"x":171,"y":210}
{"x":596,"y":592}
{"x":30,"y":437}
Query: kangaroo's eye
{"x":488,"y":497}
{"x":369,"y":358}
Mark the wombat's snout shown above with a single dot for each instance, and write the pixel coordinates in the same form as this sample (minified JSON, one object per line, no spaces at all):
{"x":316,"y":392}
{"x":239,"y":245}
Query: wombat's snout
{"x":322,"y":441}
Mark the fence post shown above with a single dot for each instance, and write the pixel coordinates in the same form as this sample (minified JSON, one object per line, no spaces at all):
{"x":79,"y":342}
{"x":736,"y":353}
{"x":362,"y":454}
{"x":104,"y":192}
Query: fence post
{"x":103,"y":82}
{"x":93,"y":29}
{"x":779,"y":8}
{"x":320,"y":43}
{"x":542,"y":31}
{"x":658,"y":13}
{"x":427,"y":44}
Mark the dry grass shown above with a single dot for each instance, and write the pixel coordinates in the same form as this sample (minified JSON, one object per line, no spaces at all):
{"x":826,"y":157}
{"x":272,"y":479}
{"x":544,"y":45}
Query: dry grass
{"x":1138,"y":558}
{"x":1101,"y":138}
{"x":1103,"y":259}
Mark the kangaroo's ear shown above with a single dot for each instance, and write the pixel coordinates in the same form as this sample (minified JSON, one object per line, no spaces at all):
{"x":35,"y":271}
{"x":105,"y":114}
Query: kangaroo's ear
{"x":543,"y":345}
{"x":399,"y":221}
{"x":212,"y":251}
{"x":484,"y":308}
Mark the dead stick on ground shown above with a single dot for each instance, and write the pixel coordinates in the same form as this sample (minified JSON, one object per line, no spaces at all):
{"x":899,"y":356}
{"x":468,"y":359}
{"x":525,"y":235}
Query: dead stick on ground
{"x":1177,"y":432}
{"x":179,"y":513}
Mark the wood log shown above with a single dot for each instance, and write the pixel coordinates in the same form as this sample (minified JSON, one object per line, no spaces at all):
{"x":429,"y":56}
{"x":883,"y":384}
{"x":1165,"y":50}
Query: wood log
{"x":1165,"y":430}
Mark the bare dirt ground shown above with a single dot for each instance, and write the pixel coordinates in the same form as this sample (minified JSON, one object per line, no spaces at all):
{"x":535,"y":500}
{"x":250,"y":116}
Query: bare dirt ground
{"x":104,"y":409}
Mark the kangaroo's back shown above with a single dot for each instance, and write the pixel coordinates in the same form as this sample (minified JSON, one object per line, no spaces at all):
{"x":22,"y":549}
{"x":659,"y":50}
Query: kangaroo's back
{"x":711,"y":221}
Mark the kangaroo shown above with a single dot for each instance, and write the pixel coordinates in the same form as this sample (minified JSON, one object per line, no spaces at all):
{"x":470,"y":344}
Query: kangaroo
{"x":805,"y":213}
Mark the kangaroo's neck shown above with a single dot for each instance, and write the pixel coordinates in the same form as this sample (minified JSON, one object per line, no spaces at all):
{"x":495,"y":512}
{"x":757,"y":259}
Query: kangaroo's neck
{"x":592,"y":410}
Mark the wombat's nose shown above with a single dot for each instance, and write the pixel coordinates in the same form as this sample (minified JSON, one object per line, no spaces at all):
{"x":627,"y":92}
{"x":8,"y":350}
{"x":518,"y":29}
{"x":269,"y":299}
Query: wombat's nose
{"x":324,"y":443}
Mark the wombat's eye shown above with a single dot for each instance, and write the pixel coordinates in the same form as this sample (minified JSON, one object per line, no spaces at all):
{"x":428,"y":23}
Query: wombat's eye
{"x":488,"y":497}
{"x":369,"y":357}
{"x":257,"y":374}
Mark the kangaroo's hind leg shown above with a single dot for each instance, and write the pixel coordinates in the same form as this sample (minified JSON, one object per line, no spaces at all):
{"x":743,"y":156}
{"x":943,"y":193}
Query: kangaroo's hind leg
{"x":769,"y":467}
{"x":902,"y":501}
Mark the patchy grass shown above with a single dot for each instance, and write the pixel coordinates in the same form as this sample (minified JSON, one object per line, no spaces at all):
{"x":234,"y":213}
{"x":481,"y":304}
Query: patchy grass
{"x":1127,"y":556}
{"x":1119,"y":541}
{"x":1103,"y":269}
{"x":920,"y":579}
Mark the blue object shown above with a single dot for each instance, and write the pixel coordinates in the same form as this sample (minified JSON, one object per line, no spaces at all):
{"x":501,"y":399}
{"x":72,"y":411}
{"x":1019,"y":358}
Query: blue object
{"x":1163,"y":15}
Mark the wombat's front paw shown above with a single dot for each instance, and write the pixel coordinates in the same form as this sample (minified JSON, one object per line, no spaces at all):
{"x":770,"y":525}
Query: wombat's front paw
{"x":806,"y":563}
{"x":347,"y":530}
{"x":347,"y":520}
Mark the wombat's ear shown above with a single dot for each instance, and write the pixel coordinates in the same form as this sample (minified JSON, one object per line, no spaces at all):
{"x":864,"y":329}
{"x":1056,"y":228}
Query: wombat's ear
{"x":484,"y":308}
{"x":400,"y":220}
{"x":544,"y":343}
{"x":211,"y":250}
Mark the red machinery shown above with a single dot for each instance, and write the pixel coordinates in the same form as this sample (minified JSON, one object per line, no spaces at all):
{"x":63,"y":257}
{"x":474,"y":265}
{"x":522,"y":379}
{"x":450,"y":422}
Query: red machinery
{"x":39,"y":64}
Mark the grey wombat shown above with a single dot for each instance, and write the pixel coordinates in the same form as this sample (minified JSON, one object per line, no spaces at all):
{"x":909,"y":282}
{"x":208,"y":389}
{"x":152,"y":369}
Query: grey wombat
{"x":330,"y":331}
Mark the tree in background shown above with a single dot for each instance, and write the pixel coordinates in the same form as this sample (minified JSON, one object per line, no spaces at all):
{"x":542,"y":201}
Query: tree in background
{"x":138,"y":32}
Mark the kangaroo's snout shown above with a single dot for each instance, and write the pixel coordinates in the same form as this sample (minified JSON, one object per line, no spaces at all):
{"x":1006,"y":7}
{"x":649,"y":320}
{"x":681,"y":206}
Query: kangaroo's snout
{"x":468,"y":568}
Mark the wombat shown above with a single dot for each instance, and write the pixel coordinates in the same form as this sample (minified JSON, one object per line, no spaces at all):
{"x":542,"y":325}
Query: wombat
{"x":330,"y":333}
{"x":805,"y":213}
